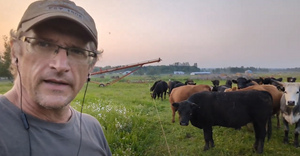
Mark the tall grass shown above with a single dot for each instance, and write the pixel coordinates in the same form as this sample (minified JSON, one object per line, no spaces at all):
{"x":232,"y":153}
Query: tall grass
{"x":136,"y":125}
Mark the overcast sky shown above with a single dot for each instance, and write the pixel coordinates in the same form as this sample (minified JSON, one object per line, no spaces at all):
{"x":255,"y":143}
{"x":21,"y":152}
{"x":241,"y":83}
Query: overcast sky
{"x":211,"y":33}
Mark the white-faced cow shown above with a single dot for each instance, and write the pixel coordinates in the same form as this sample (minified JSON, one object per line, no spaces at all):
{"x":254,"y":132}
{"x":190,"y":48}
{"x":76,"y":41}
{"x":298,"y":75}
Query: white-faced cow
{"x":228,"y":109}
{"x":243,"y":82}
{"x":290,"y":109}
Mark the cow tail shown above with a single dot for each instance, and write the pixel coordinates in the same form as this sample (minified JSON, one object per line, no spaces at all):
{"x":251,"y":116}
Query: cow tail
{"x":269,"y":131}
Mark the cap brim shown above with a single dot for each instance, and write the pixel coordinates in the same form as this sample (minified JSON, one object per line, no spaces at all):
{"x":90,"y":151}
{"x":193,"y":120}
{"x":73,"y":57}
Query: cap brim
{"x":30,"y":23}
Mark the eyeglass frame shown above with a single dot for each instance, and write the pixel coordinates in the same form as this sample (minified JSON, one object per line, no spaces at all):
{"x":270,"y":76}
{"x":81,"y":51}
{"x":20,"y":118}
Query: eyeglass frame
{"x":90,"y":54}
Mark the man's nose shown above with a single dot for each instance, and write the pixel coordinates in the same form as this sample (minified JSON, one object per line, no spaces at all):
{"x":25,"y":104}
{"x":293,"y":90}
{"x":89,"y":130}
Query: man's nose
{"x":60,"y":60}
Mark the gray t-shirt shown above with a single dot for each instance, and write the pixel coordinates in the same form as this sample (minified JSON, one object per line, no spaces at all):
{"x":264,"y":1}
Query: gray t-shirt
{"x":46,"y":138}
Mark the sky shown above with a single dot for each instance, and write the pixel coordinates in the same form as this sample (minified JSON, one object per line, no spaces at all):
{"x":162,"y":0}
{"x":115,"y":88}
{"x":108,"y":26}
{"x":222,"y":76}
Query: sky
{"x":211,"y":33}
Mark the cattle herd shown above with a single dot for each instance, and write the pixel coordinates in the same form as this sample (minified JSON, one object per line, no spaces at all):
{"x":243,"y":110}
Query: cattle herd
{"x":251,"y":101}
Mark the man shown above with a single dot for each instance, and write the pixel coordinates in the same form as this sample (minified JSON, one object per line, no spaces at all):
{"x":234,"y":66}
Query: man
{"x":53,"y":51}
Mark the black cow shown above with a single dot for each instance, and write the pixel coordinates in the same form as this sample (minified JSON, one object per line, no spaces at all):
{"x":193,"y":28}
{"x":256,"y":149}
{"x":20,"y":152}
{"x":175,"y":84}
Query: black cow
{"x":228,"y":109}
{"x":269,"y":80}
{"x":243,"y":82}
{"x":259,"y":81}
{"x":160,"y":89}
{"x":190,"y":82}
{"x":227,"y":85}
{"x":154,"y":84}
{"x":290,"y":109}
{"x":215,"y":86}
{"x":291,"y":79}
{"x":172,"y":85}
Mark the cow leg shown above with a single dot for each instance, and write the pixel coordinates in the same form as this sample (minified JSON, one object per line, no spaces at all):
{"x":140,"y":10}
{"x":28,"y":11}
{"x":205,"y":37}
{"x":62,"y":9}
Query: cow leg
{"x":297,"y":129}
{"x":286,"y":132}
{"x":260,"y":134}
{"x":209,"y":142}
{"x":173,"y":114}
{"x":278,"y":120}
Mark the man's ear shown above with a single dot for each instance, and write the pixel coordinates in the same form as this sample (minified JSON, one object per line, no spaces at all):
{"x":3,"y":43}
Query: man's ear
{"x":91,"y":67}
{"x":15,"y":52}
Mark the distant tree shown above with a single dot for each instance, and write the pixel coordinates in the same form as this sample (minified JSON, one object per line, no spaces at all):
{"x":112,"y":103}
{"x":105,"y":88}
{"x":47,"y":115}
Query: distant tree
{"x":5,"y":60}
{"x":139,"y":72}
{"x":152,"y":71}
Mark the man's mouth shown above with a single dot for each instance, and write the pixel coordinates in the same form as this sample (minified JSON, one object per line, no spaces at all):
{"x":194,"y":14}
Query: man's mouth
{"x":54,"y":82}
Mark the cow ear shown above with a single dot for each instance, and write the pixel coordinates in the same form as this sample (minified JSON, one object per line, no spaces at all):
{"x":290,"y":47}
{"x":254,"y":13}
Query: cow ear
{"x":281,"y":88}
{"x":176,"y":105}
{"x":234,"y":81}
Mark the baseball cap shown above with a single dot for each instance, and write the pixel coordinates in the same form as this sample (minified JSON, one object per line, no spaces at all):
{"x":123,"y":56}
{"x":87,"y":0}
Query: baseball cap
{"x":42,"y":10}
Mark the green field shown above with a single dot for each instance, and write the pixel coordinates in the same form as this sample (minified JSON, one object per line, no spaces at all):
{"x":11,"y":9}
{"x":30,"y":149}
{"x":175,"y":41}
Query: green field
{"x":136,"y":125}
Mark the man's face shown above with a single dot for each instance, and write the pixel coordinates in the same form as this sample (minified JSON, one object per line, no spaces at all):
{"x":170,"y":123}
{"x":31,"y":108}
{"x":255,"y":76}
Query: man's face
{"x":52,"y":82}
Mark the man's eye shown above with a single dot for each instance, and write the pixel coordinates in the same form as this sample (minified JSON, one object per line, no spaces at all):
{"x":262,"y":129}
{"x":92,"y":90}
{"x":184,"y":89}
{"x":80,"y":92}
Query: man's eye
{"x":77,"y":51}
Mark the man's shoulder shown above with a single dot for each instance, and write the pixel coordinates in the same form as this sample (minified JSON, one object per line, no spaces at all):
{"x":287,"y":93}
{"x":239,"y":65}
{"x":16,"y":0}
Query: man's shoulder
{"x":3,"y":100}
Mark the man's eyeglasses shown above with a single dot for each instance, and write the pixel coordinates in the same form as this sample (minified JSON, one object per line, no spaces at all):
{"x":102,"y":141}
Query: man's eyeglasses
{"x":47,"y":49}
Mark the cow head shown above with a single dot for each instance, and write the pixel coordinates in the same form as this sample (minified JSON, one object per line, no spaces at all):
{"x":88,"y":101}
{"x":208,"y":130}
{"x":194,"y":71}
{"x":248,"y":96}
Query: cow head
{"x":229,"y":83}
{"x":291,"y":79}
{"x":241,"y":82}
{"x":153,"y":95}
{"x":291,"y":92}
{"x":185,"y":110}
{"x":215,"y":86}
{"x":215,"y":83}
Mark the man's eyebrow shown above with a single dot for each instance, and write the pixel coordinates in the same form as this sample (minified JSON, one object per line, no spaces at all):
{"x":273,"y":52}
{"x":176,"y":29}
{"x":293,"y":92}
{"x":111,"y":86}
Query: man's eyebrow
{"x":45,"y":39}
{"x":76,"y":46}
{"x":70,"y":45}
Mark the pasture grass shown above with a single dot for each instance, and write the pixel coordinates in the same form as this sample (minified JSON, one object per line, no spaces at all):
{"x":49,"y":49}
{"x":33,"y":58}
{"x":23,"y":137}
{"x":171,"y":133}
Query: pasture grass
{"x":136,"y":125}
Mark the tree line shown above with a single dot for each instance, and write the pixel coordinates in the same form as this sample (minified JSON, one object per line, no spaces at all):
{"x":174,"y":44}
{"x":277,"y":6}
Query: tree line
{"x":5,"y":60}
{"x":185,"y":67}
{"x":169,"y":69}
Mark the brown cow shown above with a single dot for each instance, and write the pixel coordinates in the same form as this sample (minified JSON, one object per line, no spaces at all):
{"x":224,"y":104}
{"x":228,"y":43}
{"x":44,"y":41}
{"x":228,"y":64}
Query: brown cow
{"x":183,"y":93}
{"x":276,"y":95}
